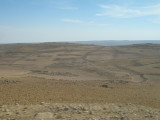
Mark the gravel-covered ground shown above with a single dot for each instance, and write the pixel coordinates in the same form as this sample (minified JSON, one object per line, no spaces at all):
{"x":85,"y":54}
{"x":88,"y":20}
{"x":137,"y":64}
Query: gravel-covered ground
{"x":105,"y":111}
{"x":83,"y":79}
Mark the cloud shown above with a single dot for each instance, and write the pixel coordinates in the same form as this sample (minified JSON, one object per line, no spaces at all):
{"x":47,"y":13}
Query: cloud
{"x":68,"y":8}
{"x":124,"y":12}
{"x":71,"y":20}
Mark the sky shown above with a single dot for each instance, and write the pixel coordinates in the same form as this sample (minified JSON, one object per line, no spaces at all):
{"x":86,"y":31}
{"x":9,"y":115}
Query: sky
{"x":78,"y":20}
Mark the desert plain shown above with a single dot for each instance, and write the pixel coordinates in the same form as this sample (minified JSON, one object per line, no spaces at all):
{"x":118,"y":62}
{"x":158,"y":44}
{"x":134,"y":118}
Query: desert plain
{"x":75,"y":81}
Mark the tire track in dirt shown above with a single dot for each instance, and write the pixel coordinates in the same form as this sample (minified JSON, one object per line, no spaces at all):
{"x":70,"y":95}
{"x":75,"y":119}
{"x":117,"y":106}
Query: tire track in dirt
{"x":84,"y":57}
{"x":144,"y":79}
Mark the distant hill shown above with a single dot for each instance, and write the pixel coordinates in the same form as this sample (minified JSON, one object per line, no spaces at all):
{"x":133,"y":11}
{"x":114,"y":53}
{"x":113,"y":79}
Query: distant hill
{"x":117,"y":42}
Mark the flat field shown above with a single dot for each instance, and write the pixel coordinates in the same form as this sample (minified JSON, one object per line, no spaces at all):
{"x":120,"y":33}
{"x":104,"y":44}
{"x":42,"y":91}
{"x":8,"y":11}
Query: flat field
{"x":75,"y":73}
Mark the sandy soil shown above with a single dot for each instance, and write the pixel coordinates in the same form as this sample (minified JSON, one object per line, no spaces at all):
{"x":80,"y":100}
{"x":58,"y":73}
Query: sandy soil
{"x":36,"y":90}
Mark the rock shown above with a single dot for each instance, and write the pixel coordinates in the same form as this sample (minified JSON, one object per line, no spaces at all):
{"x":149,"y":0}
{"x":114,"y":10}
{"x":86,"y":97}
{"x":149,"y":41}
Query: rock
{"x":122,"y":118}
{"x":90,"y":112}
{"x":5,"y":110}
{"x":105,"y":86}
{"x":94,"y":119}
{"x":84,"y":109}
{"x":10,"y":119}
{"x":17,"y":104}
{"x":8,"y":113}
{"x":42,"y":103}
{"x":1,"y":106}
{"x":44,"y":116}
{"x":84,"y":112}
{"x":74,"y":108}
{"x":65,"y":108}
{"x":78,"y":112}
{"x":25,"y":108}
{"x":59,"y":117}
{"x":17,"y":113}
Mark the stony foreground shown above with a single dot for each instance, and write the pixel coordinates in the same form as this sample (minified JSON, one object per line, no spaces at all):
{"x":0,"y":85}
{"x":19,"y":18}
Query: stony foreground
{"x":105,"y":111}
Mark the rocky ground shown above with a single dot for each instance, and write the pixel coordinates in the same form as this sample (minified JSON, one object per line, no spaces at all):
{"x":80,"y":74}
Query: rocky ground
{"x":84,"y":81}
{"x":103,"y":111}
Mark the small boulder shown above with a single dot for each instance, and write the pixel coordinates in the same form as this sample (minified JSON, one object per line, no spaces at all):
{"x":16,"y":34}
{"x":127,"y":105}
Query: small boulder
{"x":105,"y":86}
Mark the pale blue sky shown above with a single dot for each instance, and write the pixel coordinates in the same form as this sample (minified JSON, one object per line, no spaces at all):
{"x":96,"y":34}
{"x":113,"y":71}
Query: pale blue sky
{"x":78,"y":20}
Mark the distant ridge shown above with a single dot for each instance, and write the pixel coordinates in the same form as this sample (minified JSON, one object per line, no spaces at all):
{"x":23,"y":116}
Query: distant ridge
{"x":117,"y":42}
{"x":97,"y":42}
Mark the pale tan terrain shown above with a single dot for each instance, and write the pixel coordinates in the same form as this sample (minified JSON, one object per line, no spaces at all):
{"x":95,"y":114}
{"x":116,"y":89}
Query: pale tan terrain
{"x":100,"y":111}
{"x":68,"y":73}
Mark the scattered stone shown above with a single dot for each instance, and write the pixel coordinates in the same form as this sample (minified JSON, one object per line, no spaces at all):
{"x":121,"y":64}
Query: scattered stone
{"x":74,"y":108}
{"x":90,"y":112}
{"x":8,"y":113}
{"x":17,"y":113}
{"x":5,"y":110}
{"x":59,"y":117}
{"x":17,"y":104}
{"x":105,"y":86}
{"x":94,"y":119}
{"x":25,"y":108}
{"x":66,"y":108}
{"x":42,"y":103}
{"x":44,"y":116}
{"x":83,"y":109}
{"x":75,"y":112}
{"x":78,"y":112}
